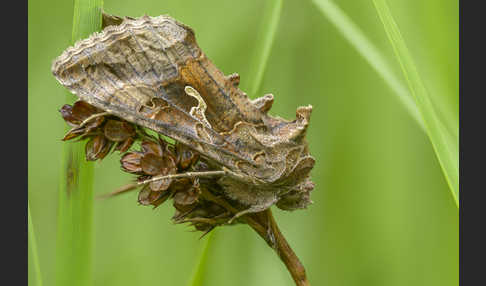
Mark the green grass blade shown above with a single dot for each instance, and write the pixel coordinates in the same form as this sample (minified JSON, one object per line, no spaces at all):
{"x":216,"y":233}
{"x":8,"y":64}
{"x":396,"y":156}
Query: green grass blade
{"x":75,"y":211}
{"x":198,"y":272}
{"x":263,"y":48}
{"x":265,"y":39}
{"x":444,"y":142}
{"x":353,"y":34}
{"x":33,"y":248}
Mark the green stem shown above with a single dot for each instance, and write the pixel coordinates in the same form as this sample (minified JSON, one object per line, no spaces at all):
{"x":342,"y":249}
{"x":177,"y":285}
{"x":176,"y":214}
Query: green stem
{"x":197,"y":276}
{"x":33,"y":248}
{"x":267,"y":34}
{"x":75,"y":210}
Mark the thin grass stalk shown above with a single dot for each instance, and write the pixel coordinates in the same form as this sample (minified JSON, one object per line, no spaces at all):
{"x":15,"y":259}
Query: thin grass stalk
{"x":198,"y":272}
{"x":75,"y":210}
{"x":358,"y":40}
{"x":444,"y":138}
{"x":33,"y":248}
{"x":265,"y":39}
{"x":268,"y":31}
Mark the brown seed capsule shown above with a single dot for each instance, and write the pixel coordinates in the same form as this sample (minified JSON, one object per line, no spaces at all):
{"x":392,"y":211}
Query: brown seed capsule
{"x":144,"y":196}
{"x":118,"y":131}
{"x":152,"y":164}
{"x":73,"y":133}
{"x":130,"y":162}
{"x":82,"y":110}
{"x":93,"y":124}
{"x":152,"y":147}
{"x":187,"y":197}
{"x":162,"y":198}
{"x":97,"y":148}
{"x":67,"y":114}
{"x":122,"y":147}
{"x":160,"y":185}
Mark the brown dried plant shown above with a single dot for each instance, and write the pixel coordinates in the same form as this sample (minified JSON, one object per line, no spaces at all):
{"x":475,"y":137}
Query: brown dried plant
{"x":231,"y":160}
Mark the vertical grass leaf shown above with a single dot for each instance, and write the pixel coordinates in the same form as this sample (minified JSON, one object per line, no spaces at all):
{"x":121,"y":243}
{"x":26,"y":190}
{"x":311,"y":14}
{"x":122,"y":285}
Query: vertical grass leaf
{"x":33,"y":248}
{"x":198,"y":272}
{"x":264,"y":43}
{"x":75,"y":210}
{"x":353,"y":34}
{"x":444,"y":142}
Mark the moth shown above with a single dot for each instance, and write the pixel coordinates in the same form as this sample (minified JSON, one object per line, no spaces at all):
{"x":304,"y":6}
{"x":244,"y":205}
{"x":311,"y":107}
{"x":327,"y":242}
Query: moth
{"x":151,"y":72}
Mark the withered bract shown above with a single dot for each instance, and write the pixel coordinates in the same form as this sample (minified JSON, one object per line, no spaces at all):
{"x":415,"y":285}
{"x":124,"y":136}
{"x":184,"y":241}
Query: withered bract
{"x":151,"y":72}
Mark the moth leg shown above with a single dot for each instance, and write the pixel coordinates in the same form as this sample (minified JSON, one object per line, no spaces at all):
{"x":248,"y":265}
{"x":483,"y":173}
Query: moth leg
{"x":252,"y":209}
{"x":184,"y":175}
{"x":87,"y":120}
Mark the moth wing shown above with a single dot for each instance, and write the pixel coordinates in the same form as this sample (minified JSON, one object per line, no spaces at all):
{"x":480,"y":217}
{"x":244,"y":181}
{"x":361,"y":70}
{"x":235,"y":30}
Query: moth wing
{"x":139,"y":70}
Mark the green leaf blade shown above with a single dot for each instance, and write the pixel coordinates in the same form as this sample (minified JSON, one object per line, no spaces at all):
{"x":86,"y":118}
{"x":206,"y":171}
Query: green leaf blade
{"x":355,"y":36}
{"x":75,"y":206}
{"x":417,"y":101}
{"x":266,"y":37}
{"x":444,"y":139}
{"x":33,"y":248}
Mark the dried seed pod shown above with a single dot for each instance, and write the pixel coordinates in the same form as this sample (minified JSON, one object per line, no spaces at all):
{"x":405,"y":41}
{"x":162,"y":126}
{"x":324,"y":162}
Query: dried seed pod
{"x":130,"y":162}
{"x":189,"y":195}
{"x":160,"y":185}
{"x":97,"y":148}
{"x":152,"y":147}
{"x":81,"y":110}
{"x":89,"y":122}
{"x":118,"y":131}
{"x":67,"y":114}
{"x":147,"y":196}
{"x":123,"y":146}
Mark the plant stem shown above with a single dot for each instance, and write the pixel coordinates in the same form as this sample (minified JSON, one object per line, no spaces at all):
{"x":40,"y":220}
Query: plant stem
{"x":33,"y":248}
{"x":75,"y":207}
{"x":266,"y":37}
{"x":197,"y":276}
{"x":265,"y":225}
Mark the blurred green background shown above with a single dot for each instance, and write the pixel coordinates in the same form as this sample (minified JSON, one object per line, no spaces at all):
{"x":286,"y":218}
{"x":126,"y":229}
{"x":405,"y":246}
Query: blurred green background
{"x":382,"y":212}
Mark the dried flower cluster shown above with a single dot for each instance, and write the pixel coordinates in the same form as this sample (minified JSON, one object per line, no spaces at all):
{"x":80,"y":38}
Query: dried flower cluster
{"x":162,"y":159}
{"x":103,"y":132}
{"x":156,"y":157}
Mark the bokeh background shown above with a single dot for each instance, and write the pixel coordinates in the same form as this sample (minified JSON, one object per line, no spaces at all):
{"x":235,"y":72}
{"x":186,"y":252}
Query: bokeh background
{"x":382,"y":212}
